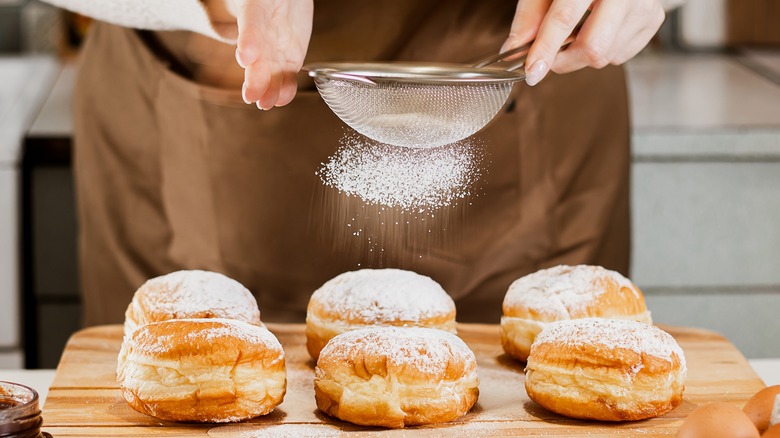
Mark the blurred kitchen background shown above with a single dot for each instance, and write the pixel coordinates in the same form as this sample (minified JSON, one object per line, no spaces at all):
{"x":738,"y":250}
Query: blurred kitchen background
{"x":705,"y":190}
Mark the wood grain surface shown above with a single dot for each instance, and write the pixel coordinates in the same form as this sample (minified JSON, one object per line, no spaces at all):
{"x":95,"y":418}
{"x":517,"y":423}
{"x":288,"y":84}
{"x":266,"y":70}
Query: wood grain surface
{"x":84,"y":399}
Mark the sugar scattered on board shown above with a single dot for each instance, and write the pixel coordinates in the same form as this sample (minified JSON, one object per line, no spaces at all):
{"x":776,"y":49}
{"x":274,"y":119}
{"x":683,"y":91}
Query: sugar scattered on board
{"x":276,"y":430}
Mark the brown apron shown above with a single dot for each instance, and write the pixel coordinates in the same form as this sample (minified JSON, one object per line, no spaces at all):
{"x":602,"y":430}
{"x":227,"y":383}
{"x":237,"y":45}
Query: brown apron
{"x":175,"y":173}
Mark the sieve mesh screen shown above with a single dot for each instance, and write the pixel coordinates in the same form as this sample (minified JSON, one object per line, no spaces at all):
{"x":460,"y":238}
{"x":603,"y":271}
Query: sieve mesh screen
{"x":414,"y":114}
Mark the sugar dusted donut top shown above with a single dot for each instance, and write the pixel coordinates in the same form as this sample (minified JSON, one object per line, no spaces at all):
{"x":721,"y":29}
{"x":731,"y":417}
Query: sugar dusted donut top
{"x":191,"y":294}
{"x":173,"y":339}
{"x":565,"y":292}
{"x":409,"y":351}
{"x":382,"y":295}
{"x":612,"y":334}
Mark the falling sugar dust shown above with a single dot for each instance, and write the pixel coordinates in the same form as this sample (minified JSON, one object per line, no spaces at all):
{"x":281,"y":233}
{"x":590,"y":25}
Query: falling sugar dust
{"x":414,"y":179}
{"x":393,"y":205}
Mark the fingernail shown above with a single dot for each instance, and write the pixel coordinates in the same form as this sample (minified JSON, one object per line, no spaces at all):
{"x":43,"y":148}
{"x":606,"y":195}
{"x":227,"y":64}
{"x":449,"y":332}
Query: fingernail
{"x":260,"y":107}
{"x":536,"y":73}
{"x":243,"y":94}
{"x":238,"y":59}
{"x":507,"y":45}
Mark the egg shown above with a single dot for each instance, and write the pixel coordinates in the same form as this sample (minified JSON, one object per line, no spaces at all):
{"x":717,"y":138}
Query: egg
{"x":717,"y":420}
{"x":772,"y":432}
{"x":759,"y":407}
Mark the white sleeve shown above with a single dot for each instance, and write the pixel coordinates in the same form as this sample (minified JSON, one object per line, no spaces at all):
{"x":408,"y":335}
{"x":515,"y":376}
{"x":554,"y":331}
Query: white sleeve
{"x":149,"y":14}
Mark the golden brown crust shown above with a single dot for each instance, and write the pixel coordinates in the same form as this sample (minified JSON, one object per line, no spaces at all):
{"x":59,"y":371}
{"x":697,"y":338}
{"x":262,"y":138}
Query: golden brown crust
{"x":396,"y":377}
{"x":608,"y":410}
{"x":204,"y":370}
{"x":602,"y":380}
{"x":565,"y":292}
{"x":314,"y":342}
{"x":369,"y":297}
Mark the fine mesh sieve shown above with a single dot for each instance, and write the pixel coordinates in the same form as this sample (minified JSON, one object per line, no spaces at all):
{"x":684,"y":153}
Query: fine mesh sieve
{"x":415,"y":113}
{"x":419,"y":105}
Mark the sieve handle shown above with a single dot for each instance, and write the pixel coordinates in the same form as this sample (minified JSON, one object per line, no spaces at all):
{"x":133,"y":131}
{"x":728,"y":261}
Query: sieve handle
{"x":522,"y":51}
{"x":520,"y":54}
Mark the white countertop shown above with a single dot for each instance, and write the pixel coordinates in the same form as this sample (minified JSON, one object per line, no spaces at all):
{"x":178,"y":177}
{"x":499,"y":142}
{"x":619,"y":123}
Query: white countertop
{"x":696,"y":92}
{"x":704,"y":105}
{"x":40,"y":380}
{"x":767,"y":369}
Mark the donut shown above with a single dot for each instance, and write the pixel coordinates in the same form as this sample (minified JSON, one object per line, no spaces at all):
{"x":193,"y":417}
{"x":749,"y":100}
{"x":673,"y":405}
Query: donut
{"x":369,"y":297}
{"x":395,"y":377}
{"x":605,"y":369}
{"x":190,"y":294}
{"x":565,"y":292}
{"x":203,"y":370}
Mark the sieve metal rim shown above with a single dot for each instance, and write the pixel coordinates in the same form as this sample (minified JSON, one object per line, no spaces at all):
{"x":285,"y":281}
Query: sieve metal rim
{"x":411,"y":72}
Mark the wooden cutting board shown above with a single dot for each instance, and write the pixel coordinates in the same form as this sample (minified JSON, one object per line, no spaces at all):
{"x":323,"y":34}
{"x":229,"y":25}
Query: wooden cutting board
{"x":84,"y":399}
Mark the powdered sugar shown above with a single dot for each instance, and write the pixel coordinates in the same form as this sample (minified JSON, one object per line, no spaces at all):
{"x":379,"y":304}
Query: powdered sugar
{"x":187,"y":294}
{"x":563,"y":291}
{"x":384,"y":295}
{"x":611,"y":334}
{"x":280,"y":430}
{"x":427,"y":350}
{"x":161,"y":337}
{"x":408,"y":178}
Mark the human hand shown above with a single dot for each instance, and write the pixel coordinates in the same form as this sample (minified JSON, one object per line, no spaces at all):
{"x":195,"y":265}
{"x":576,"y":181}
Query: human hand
{"x":614,"y":32}
{"x":273,"y":36}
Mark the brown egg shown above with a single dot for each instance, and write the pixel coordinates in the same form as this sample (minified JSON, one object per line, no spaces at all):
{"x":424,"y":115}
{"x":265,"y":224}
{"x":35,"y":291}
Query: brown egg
{"x":772,"y":432}
{"x":759,"y":407}
{"x":717,"y":420}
